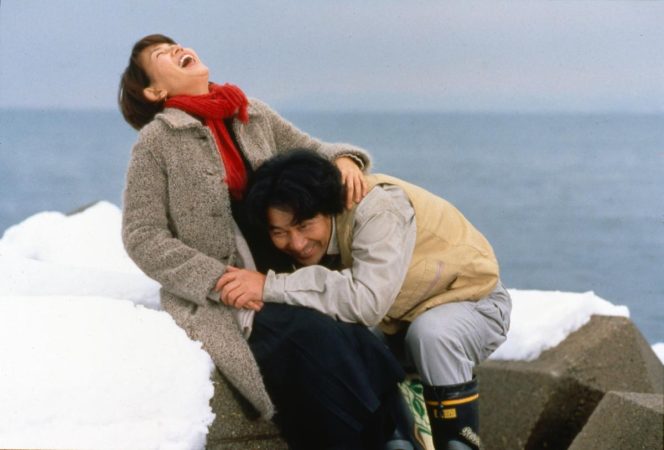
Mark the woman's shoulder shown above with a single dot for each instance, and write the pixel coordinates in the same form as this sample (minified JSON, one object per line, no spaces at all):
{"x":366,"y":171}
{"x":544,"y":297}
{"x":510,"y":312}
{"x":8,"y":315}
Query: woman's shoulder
{"x":257,"y":106}
{"x":166,"y":123}
{"x":171,"y":118}
{"x":156,"y":127}
{"x":149,"y":137}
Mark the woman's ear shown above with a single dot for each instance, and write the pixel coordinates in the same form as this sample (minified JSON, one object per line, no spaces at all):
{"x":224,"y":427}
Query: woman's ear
{"x":154,"y":94}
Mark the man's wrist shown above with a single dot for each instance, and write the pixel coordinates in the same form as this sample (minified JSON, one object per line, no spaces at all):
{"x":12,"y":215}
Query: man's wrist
{"x":274,"y":287}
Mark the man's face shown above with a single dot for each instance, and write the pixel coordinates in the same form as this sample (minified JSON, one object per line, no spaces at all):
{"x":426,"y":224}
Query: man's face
{"x":306,"y":242}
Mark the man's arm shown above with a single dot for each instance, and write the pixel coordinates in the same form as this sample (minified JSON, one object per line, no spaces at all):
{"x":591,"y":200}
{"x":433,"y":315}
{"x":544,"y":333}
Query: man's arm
{"x":382,"y":246}
{"x":383,"y":241}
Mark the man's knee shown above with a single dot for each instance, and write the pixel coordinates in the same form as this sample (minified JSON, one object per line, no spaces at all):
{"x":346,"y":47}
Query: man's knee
{"x":428,"y":341}
{"x":444,"y":327}
{"x":441,"y":344}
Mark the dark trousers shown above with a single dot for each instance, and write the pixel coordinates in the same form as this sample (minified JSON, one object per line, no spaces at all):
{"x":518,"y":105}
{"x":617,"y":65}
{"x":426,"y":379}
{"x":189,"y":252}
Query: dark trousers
{"x":334,"y":384}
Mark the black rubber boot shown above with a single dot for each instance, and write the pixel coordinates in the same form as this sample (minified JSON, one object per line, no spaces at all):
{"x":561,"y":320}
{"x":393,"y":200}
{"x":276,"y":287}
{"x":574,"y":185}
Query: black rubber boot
{"x":454,"y":415}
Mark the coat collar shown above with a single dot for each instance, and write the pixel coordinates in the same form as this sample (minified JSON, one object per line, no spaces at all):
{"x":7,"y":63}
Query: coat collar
{"x":176,"y":118}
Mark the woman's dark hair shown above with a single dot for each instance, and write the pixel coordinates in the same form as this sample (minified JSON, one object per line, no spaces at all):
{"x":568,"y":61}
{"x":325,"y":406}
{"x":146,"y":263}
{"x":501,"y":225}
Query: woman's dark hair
{"x":298,"y":181}
{"x":135,"y":108}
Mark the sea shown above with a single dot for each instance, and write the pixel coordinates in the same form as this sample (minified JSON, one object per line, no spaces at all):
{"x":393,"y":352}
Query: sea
{"x":569,"y":202}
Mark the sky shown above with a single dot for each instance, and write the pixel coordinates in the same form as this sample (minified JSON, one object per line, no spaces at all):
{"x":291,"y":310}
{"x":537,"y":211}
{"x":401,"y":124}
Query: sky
{"x":527,"y":56}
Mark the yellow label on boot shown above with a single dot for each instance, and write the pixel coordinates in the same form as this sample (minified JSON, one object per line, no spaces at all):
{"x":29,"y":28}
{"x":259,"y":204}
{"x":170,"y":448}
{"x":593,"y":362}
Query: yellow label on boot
{"x":449,"y":413}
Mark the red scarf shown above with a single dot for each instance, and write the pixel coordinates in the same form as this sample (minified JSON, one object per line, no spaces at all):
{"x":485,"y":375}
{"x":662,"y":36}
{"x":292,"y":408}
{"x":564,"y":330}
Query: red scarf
{"x":222,"y":102}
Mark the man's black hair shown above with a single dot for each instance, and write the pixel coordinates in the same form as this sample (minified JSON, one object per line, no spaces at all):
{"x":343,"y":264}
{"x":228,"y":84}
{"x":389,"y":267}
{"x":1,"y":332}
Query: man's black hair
{"x":298,"y":181}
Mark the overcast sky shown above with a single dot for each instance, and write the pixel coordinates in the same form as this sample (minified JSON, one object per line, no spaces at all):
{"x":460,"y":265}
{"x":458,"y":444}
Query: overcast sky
{"x":350,"y":54}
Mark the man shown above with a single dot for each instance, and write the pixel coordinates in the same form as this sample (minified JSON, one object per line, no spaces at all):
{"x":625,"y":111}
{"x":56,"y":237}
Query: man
{"x":402,"y":259}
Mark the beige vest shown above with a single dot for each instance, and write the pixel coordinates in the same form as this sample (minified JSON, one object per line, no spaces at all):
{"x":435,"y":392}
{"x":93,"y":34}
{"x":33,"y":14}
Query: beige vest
{"x":452,"y":260}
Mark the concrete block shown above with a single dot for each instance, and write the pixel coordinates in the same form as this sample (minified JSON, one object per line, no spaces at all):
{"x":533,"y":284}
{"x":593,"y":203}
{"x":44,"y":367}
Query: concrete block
{"x":236,"y":426}
{"x":608,"y":354}
{"x":545,"y":403}
{"x":624,"y":420}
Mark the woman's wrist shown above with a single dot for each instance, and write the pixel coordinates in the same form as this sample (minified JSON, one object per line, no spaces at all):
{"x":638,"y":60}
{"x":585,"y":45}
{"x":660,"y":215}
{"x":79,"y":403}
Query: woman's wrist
{"x":356,"y":159}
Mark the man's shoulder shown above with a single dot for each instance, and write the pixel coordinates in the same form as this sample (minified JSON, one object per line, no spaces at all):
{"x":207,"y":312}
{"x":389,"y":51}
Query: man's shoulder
{"x":382,"y":199}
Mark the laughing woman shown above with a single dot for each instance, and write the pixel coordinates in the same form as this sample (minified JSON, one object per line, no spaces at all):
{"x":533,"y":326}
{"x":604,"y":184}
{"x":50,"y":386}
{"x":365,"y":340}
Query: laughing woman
{"x":183,"y":224}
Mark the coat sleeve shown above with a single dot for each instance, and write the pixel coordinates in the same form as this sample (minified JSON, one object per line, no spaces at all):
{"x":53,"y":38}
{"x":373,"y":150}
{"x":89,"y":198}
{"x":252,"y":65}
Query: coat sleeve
{"x":287,"y":136}
{"x":181,"y":270}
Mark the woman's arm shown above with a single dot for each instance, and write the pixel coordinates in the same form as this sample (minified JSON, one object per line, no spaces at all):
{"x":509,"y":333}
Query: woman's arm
{"x":287,"y":136}
{"x":349,"y":159}
{"x":148,"y":240}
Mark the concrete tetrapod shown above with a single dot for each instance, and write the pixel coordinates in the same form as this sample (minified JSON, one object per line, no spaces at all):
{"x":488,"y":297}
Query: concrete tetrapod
{"x":545,"y":403}
{"x":624,"y":420}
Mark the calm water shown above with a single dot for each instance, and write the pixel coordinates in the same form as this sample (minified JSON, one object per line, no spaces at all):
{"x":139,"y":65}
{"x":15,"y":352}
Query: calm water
{"x":571,"y":203}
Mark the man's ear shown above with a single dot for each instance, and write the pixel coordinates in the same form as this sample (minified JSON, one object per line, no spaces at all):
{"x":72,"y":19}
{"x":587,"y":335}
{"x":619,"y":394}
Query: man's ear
{"x":154,"y":94}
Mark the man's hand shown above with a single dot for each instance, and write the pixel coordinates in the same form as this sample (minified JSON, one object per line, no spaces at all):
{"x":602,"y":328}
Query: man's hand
{"x":241,"y":288}
{"x":353,"y":179}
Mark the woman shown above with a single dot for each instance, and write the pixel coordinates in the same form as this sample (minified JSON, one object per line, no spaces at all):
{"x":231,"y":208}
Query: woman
{"x":197,"y":146}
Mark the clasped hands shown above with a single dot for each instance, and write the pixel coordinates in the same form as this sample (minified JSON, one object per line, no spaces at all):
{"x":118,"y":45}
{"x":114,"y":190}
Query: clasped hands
{"x":241,"y":288}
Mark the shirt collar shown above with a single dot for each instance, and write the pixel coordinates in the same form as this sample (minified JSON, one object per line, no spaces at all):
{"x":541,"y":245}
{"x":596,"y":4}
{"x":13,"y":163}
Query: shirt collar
{"x":333,"y":246}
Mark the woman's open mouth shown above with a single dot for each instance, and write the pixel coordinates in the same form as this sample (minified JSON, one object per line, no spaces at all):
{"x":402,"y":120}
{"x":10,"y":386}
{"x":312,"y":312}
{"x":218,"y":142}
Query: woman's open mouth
{"x":186,"y":60}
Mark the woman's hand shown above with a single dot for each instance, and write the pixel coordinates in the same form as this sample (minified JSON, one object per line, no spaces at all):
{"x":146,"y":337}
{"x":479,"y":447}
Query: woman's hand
{"x":353,"y":179}
{"x":241,"y":288}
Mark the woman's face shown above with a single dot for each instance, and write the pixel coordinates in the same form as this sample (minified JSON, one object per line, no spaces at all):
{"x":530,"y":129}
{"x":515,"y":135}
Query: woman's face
{"x":173,"y":70}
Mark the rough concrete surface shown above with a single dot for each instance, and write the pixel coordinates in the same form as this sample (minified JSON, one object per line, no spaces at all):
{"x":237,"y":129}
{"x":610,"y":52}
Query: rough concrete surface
{"x":624,"y":420}
{"x":546,"y":403}
{"x":236,"y":426}
{"x":601,"y":388}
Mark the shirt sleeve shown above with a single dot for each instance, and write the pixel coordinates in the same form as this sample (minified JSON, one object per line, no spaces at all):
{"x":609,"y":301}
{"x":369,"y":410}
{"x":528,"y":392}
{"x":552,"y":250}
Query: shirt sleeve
{"x":382,"y":247}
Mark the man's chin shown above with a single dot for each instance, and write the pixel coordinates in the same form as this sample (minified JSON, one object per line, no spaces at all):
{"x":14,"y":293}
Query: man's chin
{"x":304,"y":262}
{"x":310,"y":261}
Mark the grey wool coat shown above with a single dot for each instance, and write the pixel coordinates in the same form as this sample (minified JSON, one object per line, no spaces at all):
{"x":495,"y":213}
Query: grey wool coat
{"x":178,"y":227}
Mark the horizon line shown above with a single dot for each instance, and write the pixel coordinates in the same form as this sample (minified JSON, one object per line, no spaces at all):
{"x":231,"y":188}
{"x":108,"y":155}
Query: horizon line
{"x":386,"y":111}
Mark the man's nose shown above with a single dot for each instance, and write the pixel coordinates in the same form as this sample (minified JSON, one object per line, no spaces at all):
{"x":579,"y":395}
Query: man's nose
{"x":297,"y":241}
